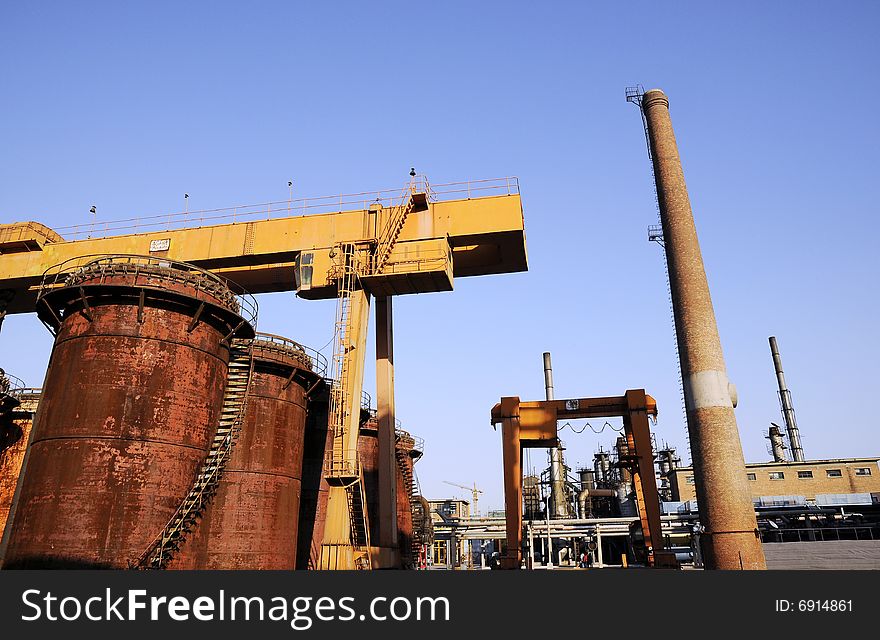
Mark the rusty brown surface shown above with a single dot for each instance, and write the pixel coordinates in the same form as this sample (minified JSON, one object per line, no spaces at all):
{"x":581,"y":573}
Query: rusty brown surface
{"x":252,"y":520}
{"x":128,"y":413}
{"x":313,"y":501}
{"x":404,"y":506}
{"x":725,"y":504}
{"x":15,"y":430}
{"x":368,"y":456}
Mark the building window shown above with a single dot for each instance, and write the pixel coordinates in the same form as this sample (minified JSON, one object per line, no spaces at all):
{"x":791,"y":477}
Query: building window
{"x":833,"y":473}
{"x":863,"y":471}
{"x":689,"y":479}
{"x":777,"y":475}
{"x":805,"y":474}
{"x":751,"y":476}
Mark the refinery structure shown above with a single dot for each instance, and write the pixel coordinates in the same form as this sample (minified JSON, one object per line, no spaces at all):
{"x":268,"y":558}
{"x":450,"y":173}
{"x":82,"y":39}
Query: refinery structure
{"x":171,"y":433}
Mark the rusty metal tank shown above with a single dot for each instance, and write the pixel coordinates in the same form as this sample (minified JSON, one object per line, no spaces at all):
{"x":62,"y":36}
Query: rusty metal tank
{"x":252,"y":521}
{"x":368,"y":456}
{"x":313,"y":501}
{"x":407,"y":450}
{"x":130,"y":406}
{"x":315,"y":489}
{"x":15,"y":431}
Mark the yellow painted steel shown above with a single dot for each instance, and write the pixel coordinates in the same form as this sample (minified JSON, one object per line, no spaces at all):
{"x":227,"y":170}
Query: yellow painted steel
{"x":454,"y":238}
{"x":439,"y":240}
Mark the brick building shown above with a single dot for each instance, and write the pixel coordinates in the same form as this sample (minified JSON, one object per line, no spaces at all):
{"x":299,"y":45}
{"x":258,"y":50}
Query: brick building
{"x":809,"y":479}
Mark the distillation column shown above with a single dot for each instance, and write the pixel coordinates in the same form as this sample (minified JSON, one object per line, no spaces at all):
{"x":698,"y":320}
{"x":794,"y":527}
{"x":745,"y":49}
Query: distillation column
{"x":558,"y":502}
{"x":730,"y":540}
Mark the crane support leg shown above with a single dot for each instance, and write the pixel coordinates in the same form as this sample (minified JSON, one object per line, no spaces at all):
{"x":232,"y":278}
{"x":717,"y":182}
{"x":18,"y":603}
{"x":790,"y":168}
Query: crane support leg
{"x":512,"y":453}
{"x":533,"y":425}
{"x":6,"y":296}
{"x":385,"y":414}
{"x":638,"y":440}
{"x":338,"y":550}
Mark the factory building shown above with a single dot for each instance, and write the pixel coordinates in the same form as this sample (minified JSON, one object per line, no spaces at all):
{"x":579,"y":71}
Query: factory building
{"x":818,"y":481}
{"x":449,"y":550}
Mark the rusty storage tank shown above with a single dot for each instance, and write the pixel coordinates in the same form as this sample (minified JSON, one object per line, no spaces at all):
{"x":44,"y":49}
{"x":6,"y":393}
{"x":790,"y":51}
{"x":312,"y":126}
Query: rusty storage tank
{"x":313,"y":502}
{"x":17,"y":412}
{"x":130,"y":406}
{"x":252,"y":520}
{"x":315,"y":489}
{"x":368,"y":456}
{"x":408,"y":450}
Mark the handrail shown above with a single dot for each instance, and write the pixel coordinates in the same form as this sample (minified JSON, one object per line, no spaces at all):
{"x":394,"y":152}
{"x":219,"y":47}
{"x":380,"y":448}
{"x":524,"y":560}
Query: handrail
{"x":316,"y":360}
{"x":75,"y":270}
{"x":11,"y":385}
{"x":275,"y":209}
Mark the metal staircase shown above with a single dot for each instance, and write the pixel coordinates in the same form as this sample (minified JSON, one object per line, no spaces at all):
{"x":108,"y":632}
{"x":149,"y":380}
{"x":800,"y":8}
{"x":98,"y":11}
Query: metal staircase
{"x":8,"y":387}
{"x":414,"y":197}
{"x":360,"y":526}
{"x":409,"y":486}
{"x":168,"y":542}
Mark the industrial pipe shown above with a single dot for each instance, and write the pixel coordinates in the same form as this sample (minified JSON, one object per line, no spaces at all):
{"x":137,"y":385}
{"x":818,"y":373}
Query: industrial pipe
{"x":557,"y":465}
{"x":777,"y":444}
{"x":731,"y":538}
{"x":794,"y":435}
{"x":583,"y":494}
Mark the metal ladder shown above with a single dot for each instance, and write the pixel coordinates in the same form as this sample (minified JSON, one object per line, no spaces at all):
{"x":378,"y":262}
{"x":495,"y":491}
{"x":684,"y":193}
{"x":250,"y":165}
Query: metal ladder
{"x":168,"y":542}
{"x":360,"y":526}
{"x":338,"y":467}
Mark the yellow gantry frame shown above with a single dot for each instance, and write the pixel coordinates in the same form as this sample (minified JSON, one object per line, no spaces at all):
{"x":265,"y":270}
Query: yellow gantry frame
{"x":452,"y":238}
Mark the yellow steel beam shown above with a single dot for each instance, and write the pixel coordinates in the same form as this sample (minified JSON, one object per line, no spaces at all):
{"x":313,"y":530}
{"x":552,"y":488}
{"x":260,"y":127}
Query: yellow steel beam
{"x":454,"y":238}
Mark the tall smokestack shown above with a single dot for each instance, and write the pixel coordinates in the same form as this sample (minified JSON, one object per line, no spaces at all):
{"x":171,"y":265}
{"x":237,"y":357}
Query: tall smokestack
{"x":557,"y":466}
{"x":791,"y":428}
{"x":731,"y":538}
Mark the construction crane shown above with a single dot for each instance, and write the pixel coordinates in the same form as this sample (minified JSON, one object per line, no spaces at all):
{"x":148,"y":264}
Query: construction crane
{"x":475,"y":493}
{"x":351,"y":247}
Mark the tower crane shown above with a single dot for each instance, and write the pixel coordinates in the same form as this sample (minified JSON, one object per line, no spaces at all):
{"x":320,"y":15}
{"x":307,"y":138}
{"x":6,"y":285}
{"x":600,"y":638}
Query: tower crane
{"x":353,"y":248}
{"x":475,"y":493}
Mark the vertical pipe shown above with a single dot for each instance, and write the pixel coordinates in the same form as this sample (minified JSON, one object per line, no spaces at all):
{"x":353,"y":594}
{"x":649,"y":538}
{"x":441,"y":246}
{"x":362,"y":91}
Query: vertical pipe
{"x":557,"y":465}
{"x":794,"y":435}
{"x":548,"y":377}
{"x":731,"y":539}
{"x":777,"y":444}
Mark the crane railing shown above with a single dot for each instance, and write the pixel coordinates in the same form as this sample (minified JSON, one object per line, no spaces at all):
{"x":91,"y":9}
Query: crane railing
{"x":244,"y":213}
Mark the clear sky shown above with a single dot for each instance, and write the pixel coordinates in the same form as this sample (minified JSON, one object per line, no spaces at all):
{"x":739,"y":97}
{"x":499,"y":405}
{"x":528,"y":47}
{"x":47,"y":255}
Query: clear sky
{"x":127,"y":107}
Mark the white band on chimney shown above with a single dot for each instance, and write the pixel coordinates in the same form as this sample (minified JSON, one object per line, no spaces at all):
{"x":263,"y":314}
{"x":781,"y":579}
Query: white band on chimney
{"x":707,"y":389}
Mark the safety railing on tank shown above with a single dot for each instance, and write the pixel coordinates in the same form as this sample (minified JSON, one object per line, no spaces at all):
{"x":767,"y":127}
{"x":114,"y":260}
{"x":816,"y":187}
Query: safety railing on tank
{"x":83,"y":268}
{"x":418,"y":443}
{"x":26,"y":392}
{"x":311,"y":357}
{"x":244,"y":213}
{"x":10,"y":385}
{"x":366,"y":399}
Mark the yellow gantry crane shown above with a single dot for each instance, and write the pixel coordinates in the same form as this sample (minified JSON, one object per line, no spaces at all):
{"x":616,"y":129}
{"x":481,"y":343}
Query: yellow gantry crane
{"x":354,"y":248}
{"x":475,"y":494}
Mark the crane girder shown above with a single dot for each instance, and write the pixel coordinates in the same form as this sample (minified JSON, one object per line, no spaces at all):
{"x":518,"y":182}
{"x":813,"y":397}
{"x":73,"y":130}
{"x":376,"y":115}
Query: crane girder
{"x":452,"y":238}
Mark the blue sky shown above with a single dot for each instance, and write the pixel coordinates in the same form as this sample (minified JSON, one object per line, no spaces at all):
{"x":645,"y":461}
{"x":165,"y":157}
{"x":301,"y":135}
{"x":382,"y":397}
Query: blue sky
{"x":129,"y":106}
